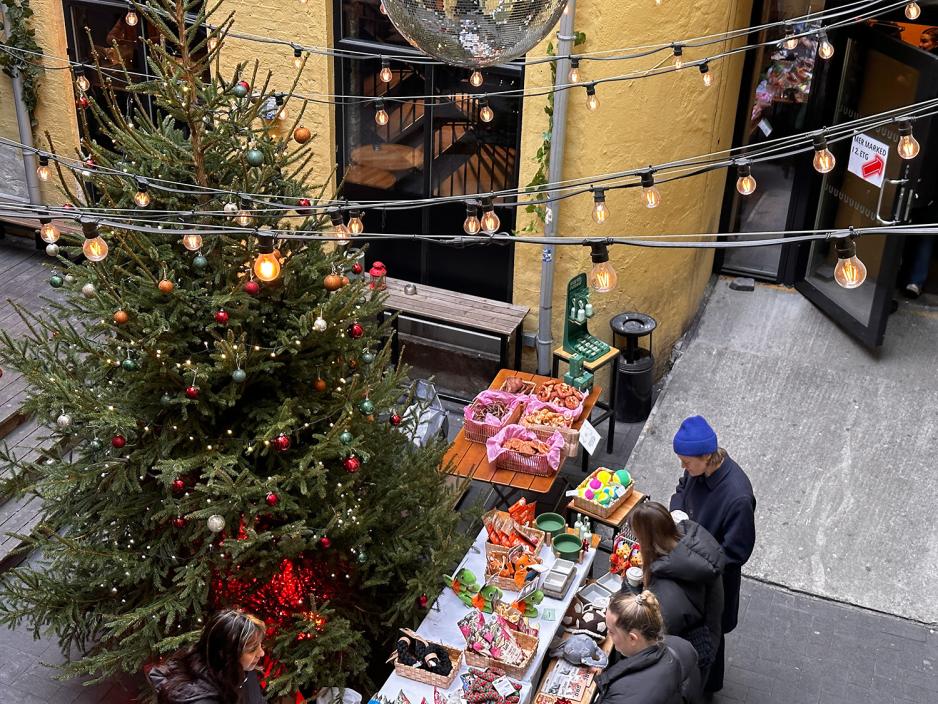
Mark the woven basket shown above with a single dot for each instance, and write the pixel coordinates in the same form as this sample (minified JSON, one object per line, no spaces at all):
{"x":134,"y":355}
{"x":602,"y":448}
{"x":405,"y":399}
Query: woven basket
{"x":526,"y":389}
{"x":480,"y":432}
{"x":493,"y":549}
{"x":527,"y":643}
{"x":598,"y":509}
{"x":441,"y":681}
{"x":515,"y":462}
{"x":571,"y":436}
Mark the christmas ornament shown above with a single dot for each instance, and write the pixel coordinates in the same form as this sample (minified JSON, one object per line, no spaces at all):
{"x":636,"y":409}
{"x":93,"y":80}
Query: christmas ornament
{"x":423,"y":600}
{"x":166,"y":286}
{"x":325,"y":542}
{"x":241,"y":88}
{"x":69,"y":279}
{"x":362,"y":557}
{"x":166,"y":400}
{"x":221,"y":317}
{"x":192,"y":392}
{"x":56,"y":281}
{"x":357,"y":268}
{"x":366,"y":406}
{"x":320,"y":385}
{"x":83,"y":102}
{"x":95,"y":444}
{"x":88,"y":290}
{"x":199,"y":262}
{"x":302,"y":206}
{"x":179,"y":522}
{"x":368,"y":357}
{"x":332,"y":282}
{"x":281,"y":443}
{"x":355,"y":330}
{"x":346,"y":281}
{"x":251,"y":288}
{"x":302,"y":135}
{"x":178,"y":486}
{"x":129,"y":365}
{"x":52,"y":250}
{"x":472,"y":34}
{"x":271,"y":498}
{"x":320,"y":324}
{"x":346,"y":438}
{"x":118,"y":441}
{"x":121,"y":317}
{"x":254,"y":157}
{"x":231,"y":209}
{"x":239,"y":375}
{"x":215,"y":523}
{"x":353,"y":364}
{"x":63,"y":421}
{"x":352,"y":464}
{"x":394,"y":420}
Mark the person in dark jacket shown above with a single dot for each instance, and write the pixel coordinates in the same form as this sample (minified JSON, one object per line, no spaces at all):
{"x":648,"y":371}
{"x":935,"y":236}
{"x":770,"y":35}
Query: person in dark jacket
{"x":654,"y":669}
{"x":717,"y":494}
{"x":683,"y":567}
{"x":219,"y":669}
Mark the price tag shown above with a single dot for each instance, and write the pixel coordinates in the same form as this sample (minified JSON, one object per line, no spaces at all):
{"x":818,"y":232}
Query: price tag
{"x":589,"y":437}
{"x":503,"y":686}
{"x":548,"y":615}
{"x":765,"y":126}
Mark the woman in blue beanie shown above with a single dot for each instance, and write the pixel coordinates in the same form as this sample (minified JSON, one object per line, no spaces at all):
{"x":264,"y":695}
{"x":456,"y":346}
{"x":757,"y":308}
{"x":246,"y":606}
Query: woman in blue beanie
{"x":717,"y":494}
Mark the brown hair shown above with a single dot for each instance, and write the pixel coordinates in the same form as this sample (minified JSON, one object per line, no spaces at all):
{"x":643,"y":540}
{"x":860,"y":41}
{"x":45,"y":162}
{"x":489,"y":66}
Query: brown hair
{"x":656,"y":533}
{"x":638,"y":612}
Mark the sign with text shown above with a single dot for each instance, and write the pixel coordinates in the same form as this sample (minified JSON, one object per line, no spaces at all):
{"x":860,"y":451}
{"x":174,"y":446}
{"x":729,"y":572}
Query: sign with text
{"x":868,"y":158}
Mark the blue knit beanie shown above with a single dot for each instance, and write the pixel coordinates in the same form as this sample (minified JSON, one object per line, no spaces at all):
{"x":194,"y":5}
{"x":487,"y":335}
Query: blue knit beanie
{"x":694,"y":438}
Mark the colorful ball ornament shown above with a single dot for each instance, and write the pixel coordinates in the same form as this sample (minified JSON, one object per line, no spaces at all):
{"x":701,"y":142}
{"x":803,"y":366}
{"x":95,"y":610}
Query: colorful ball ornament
{"x":192,"y":392}
{"x":121,"y":317}
{"x":423,"y":600}
{"x":63,"y":421}
{"x":231,"y":208}
{"x":199,"y":262}
{"x":83,"y":102}
{"x":368,"y":357}
{"x":320,"y":324}
{"x":254,"y":157}
{"x":320,"y":385}
{"x":282,"y":442}
{"x":95,"y":444}
{"x":118,"y":441}
{"x":355,"y":330}
{"x":366,"y":406}
{"x":346,"y":438}
{"x":221,"y":317}
{"x":271,"y":498}
{"x":166,"y":400}
{"x":215,"y":523}
{"x":56,"y":281}
{"x":238,"y":375}
{"x":69,"y":279}
{"x":357,"y":268}
{"x":302,"y":206}
{"x":251,"y":288}
{"x":52,"y":250}
{"x":394,"y":420}
{"x":325,"y":542}
{"x":241,"y":88}
{"x":178,"y":486}
{"x":302,"y":135}
{"x":352,"y":464}
{"x":88,"y":290}
{"x":362,"y":558}
{"x":179,"y":522}
{"x":332,"y":282}
{"x":166,"y":286}
{"x":129,"y":365}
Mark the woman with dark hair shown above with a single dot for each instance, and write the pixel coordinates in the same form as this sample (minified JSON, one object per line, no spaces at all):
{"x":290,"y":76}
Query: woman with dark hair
{"x":219,"y":669}
{"x":683,"y":567}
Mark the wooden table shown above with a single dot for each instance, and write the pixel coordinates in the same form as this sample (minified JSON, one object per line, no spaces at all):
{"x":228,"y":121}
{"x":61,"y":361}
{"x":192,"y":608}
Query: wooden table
{"x":469,"y":460}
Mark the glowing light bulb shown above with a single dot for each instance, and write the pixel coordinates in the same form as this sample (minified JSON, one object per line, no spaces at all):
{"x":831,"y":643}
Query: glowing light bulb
{"x":745,"y":183}
{"x":338,"y":227}
{"x":44,"y":171}
{"x":678,"y":56}
{"x":912,"y":11}
{"x":600,"y":210}
{"x":574,"y":74}
{"x":81,"y":80}
{"x":476,"y":80}
{"x":602,"y":278}
{"x":791,"y":41}
{"x":486,"y":114}
{"x":908,"y":147}
{"x":243,"y":218}
{"x":490,"y":221}
{"x":355,"y":224}
{"x":49,"y":233}
{"x":824,"y":161}
{"x":297,"y":57}
{"x":131,"y":19}
{"x":192,"y":242}
{"x":592,"y":101}
{"x":381,"y":116}
{"x":94,"y":248}
{"x":142,"y":196}
{"x":385,"y":73}
{"x":824,"y":48}
{"x":849,"y":272}
{"x":651,"y":197}
{"x":707,"y":76}
{"x":471,"y":225}
{"x":266,"y":266}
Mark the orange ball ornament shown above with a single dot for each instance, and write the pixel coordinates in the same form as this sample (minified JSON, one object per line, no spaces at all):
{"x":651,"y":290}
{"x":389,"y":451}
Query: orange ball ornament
{"x":302,"y":135}
{"x":166,"y":286}
{"x":332,"y":282}
{"x":346,"y":281}
{"x":320,"y":385}
{"x":121,"y":317}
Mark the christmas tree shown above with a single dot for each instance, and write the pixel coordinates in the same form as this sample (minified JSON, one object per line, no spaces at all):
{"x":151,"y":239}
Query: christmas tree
{"x":229,"y":428}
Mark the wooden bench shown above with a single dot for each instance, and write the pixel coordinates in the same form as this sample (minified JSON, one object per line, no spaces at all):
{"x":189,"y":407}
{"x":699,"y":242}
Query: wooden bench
{"x":460,"y":310}
{"x":29,"y":227}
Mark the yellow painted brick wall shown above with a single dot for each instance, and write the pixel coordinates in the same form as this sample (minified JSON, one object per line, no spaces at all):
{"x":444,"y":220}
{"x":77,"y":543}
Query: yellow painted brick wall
{"x":647,"y":121}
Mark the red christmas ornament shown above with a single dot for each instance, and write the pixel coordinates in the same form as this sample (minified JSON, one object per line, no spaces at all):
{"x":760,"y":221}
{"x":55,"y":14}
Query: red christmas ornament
{"x":252,"y":288}
{"x":245,"y":85}
{"x":357,"y":268}
{"x":351,"y":464}
{"x":83,"y":102}
{"x":192,"y":392}
{"x":282,"y":443}
{"x":325,"y":542}
{"x":179,"y":522}
{"x":355,"y":330}
{"x":179,"y":486}
{"x":394,"y":420}
{"x":423,"y":600}
{"x":272,"y":498}
{"x":118,"y":441}
{"x":302,"y":206}
{"x":221,"y":317}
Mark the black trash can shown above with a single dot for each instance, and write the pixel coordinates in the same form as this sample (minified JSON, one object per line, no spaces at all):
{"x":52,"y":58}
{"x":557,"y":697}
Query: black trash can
{"x":635,"y":366}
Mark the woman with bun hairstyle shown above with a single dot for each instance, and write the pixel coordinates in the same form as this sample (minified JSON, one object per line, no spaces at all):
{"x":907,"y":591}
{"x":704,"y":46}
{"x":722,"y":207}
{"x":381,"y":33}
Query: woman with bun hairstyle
{"x":655,"y":668}
{"x":683,"y":567}
{"x":220,"y":668}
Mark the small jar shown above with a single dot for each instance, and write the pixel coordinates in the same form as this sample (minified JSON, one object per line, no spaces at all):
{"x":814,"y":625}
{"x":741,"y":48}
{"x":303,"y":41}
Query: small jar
{"x":378,"y":274}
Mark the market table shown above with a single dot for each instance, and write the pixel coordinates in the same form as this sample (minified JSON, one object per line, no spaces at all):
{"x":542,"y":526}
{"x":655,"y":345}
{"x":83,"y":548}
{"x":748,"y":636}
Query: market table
{"x":440,"y":625}
{"x":469,"y":460}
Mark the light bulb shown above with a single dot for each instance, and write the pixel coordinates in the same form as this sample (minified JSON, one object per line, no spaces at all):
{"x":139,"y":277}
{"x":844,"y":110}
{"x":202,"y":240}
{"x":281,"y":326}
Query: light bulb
{"x":791,"y":41}
{"x":574,"y":74}
{"x":705,"y":72}
{"x":592,"y":102}
{"x":94,"y":248}
{"x":338,"y":227}
{"x":142,"y":196}
{"x":824,"y":161}
{"x":355,"y":224}
{"x":486,"y":114}
{"x":266,"y":266}
{"x":297,"y":58}
{"x":381,"y":116}
{"x":471,"y":225}
{"x":131,"y":19}
{"x":44,"y":171}
{"x":678,"y":56}
{"x":81,"y":80}
{"x":192,"y":242}
{"x":385,"y":74}
{"x":908,"y":147}
{"x":49,"y":233}
{"x":600,"y":210}
{"x":476,"y":80}
{"x":849,"y":272}
{"x":745,"y":183}
{"x":824,"y":48}
{"x":243,"y":218}
{"x":912,"y":11}
{"x":490,"y":222}
{"x":602,"y":278}
{"x":651,"y":197}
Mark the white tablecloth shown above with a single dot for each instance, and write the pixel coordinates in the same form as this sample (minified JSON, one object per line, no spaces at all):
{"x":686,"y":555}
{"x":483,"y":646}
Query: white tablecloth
{"x":440,"y":625}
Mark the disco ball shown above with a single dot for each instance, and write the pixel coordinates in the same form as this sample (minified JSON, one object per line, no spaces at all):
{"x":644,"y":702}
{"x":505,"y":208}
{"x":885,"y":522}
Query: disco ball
{"x":474,"y":33}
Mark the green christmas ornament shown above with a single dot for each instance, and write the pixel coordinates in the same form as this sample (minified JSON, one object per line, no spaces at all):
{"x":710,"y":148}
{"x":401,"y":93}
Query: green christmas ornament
{"x":368,"y":357}
{"x":366,"y":406}
{"x":95,"y":444}
{"x":362,"y":557}
{"x":166,"y":400}
{"x":199,"y":262}
{"x":240,"y":89}
{"x":346,"y":438}
{"x":254,"y":157}
{"x":129,"y":365}
{"x":239,"y":375}
{"x":56,"y":281}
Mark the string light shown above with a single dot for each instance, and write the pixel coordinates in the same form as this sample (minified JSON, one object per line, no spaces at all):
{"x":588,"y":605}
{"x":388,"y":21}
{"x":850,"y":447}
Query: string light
{"x":355,"y":224}
{"x":212,"y":43}
{"x":471,"y":226}
{"x":476,"y":79}
{"x":745,"y":183}
{"x":142,"y":196}
{"x":490,"y":222}
{"x":791,"y":41}
{"x":592,"y":101}
{"x":705,"y":72}
{"x":602,"y":278}
{"x":908,"y":146}
{"x":131,"y":19}
{"x":849,"y":272}
{"x":824,"y":161}
{"x":94,"y":247}
{"x":651,"y":197}
{"x":81,"y":80}
{"x":297,"y":57}
{"x":192,"y":242}
{"x":338,"y":226}
{"x":678,"y":56}
{"x":266,"y":266}
{"x":912,"y":10}
{"x":485,"y":112}
{"x":48,"y":232}
{"x":385,"y":73}
{"x":243,"y":216}
{"x":824,"y":48}
{"x":381,"y":116}
{"x":574,"y":74}
{"x":600,"y":210}
{"x":282,"y":112}
{"x":43,"y":171}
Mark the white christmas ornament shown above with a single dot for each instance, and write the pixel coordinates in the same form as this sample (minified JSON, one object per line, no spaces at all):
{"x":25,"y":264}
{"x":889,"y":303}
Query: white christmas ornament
{"x":69,"y":279}
{"x":216,"y":523}
{"x":52,"y":250}
{"x":320,"y":324}
{"x":88,"y":290}
{"x":231,"y":208}
{"x":63,"y":421}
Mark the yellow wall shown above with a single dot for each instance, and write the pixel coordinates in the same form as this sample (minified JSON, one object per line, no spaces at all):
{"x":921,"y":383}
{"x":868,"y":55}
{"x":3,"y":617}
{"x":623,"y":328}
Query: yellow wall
{"x":641,"y":122}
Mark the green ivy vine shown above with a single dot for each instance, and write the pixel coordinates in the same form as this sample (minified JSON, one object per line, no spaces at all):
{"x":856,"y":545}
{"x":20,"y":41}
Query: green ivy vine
{"x":22,"y":36}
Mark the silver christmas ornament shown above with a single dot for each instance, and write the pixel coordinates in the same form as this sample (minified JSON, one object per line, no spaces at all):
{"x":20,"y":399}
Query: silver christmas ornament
{"x":69,"y":279}
{"x":320,"y":324}
{"x":231,"y":208}
{"x":52,"y":250}
{"x":63,"y":421}
{"x":471,"y":33}
{"x":215,"y":523}
{"x":88,"y":290}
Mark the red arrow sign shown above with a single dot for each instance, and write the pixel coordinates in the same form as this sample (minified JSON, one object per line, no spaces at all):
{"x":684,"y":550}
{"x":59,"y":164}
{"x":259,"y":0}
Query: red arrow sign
{"x":874,"y":167}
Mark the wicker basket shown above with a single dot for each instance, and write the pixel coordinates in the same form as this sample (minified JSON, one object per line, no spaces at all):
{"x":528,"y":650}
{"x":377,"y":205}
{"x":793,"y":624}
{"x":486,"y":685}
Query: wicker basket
{"x":527,"y":643}
{"x":480,"y":432}
{"x":492,"y":549}
{"x":597,"y":509}
{"x":571,"y":436}
{"x":441,"y":681}
{"x":515,"y":462}
{"x":527,"y":388}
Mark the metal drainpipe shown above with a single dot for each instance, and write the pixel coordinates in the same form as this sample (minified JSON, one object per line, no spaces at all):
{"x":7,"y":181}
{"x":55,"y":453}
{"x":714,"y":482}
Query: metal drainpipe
{"x":545,"y":341}
{"x":24,"y":124}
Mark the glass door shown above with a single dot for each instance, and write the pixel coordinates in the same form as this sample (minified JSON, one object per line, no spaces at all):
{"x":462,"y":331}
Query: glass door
{"x":870,"y":185}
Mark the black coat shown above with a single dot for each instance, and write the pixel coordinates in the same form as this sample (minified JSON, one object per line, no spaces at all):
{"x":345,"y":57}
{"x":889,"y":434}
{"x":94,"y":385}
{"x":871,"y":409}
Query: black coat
{"x":689,"y":586}
{"x":202,"y":691}
{"x":653,"y":676}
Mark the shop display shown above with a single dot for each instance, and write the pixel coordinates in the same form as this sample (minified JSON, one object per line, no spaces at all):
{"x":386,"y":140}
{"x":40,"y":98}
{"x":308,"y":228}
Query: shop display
{"x":561,"y":394}
{"x":585,"y":619}
{"x":515,"y":385}
{"x":506,"y":532}
{"x":488,"y":413}
{"x":568,"y":682}
{"x":527,"y":602}
{"x":523,"y":511}
{"x":511,"y":570}
{"x":581,"y":650}
{"x":489,"y":686}
{"x":518,"y":449}
{"x":576,"y":335}
{"x":625,"y":553}
{"x":559,"y":578}
{"x":603,"y":491}
{"x":611,"y":582}
{"x":493,"y":643}
{"x":424,"y":661}
{"x":551,"y":523}
{"x":567,"y":546}
{"x":594,"y":595}
{"x":464,"y":585}
{"x":544,"y":419}
{"x":515,"y":620}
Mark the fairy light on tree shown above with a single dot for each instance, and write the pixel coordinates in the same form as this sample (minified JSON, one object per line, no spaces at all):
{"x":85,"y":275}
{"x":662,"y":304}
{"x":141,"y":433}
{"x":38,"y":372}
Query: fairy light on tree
{"x":142,"y":196}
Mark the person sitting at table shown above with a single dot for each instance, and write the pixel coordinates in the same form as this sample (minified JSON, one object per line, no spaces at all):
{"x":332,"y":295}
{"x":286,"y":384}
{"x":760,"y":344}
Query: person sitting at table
{"x":655,"y":668}
{"x":682,"y":566}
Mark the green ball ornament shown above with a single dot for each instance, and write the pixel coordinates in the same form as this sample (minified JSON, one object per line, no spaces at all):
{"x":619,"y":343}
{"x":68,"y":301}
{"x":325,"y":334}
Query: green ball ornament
{"x":129,"y":365}
{"x":346,"y":438}
{"x":239,"y":375}
{"x":254,"y":157}
{"x":166,"y":400}
{"x":362,"y":558}
{"x":368,"y":358}
{"x":366,"y":407}
{"x":239,"y":90}
{"x":199,"y":262}
{"x":95,"y":445}
{"x":56,"y":281}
